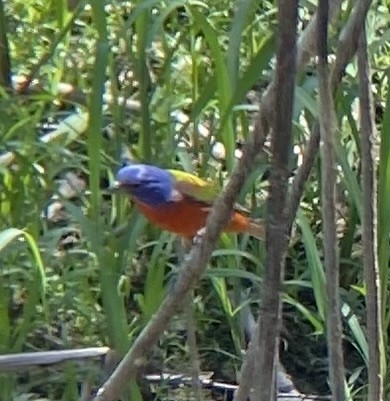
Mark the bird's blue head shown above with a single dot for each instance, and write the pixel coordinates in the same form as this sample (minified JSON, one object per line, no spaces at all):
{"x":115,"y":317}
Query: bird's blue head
{"x":148,"y":184}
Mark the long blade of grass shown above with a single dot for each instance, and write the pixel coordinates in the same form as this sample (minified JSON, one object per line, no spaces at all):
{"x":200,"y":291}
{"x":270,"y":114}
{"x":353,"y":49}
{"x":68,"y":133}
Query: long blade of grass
{"x":356,"y":330}
{"x":314,"y":262}
{"x":11,"y":234}
{"x":250,"y":76}
{"x":350,"y":179}
{"x":384,"y":211}
{"x":235,"y":39}
{"x":154,"y":289}
{"x":108,"y":265}
{"x":36,"y":288}
{"x":317,"y":324}
{"x":223,"y":82}
{"x":220,"y":288}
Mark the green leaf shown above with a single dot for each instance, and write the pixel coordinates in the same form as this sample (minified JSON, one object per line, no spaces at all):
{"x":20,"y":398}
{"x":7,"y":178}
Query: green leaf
{"x":11,"y":234}
{"x":383,"y":208}
{"x":350,"y":179}
{"x":314,"y":262}
{"x":306,"y":313}
{"x":224,"y":89}
{"x":356,"y":330}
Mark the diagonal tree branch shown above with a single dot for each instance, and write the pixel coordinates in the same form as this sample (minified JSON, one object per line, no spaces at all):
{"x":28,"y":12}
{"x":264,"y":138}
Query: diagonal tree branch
{"x":327,"y":120}
{"x":370,"y":239}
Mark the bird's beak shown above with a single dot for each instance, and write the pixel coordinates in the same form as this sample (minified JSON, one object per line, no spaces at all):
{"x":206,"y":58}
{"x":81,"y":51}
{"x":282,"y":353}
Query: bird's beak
{"x":114,"y":187}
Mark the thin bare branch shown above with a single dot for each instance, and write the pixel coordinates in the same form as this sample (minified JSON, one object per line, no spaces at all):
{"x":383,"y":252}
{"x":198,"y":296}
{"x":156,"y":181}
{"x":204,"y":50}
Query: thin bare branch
{"x":346,"y":49}
{"x":327,"y":121}
{"x":305,"y":50}
{"x":307,"y":41}
{"x":370,"y":239}
{"x":309,"y":156}
{"x":348,"y":41}
{"x":276,"y":239}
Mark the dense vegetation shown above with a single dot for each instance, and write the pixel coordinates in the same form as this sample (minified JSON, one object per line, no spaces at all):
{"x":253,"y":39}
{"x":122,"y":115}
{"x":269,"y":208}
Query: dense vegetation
{"x":177,"y":84}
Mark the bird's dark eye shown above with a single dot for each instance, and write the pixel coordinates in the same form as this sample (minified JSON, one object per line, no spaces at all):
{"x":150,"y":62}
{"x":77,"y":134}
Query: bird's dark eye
{"x":126,"y":162}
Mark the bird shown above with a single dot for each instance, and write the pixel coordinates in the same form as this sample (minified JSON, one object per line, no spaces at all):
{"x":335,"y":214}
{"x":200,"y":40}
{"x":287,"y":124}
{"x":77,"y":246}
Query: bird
{"x":178,"y":201}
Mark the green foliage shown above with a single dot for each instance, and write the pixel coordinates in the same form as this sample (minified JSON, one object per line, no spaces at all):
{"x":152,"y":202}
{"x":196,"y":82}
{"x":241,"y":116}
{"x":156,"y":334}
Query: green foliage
{"x":178,"y":75}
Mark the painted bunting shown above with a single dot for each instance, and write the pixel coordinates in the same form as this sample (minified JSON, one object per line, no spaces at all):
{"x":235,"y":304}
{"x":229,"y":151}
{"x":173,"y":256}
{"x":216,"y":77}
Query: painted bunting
{"x":177,"y":201}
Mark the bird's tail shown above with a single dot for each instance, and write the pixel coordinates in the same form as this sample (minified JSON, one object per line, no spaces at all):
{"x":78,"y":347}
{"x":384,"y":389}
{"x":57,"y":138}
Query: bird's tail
{"x":256,"y":228}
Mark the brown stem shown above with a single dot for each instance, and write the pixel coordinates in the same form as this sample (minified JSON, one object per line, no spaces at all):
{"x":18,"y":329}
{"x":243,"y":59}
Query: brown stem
{"x":327,"y":122}
{"x":370,"y":239}
{"x":276,"y":239}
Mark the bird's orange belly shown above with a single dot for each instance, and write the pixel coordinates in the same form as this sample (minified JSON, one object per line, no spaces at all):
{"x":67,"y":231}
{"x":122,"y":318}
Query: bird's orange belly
{"x":187,"y":217}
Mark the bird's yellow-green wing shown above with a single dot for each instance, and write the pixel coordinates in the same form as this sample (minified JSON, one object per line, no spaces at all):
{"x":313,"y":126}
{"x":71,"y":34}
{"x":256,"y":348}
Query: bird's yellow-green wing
{"x":193,"y":186}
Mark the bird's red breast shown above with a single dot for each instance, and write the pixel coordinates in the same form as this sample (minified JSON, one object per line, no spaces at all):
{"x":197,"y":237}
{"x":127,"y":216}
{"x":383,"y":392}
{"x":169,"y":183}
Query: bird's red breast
{"x":187,"y":216}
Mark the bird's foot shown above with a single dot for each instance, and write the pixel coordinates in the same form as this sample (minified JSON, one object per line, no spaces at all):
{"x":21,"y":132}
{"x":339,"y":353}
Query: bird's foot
{"x":199,"y":236}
